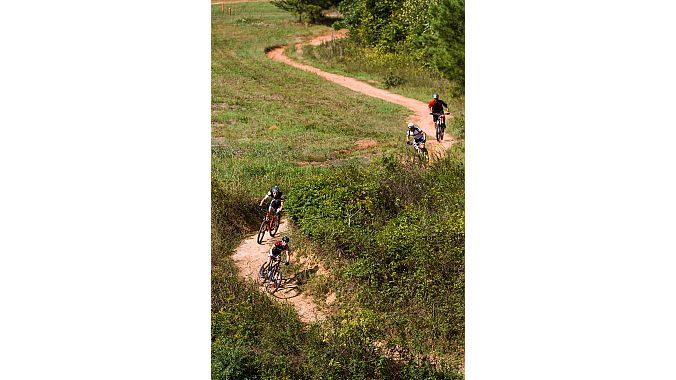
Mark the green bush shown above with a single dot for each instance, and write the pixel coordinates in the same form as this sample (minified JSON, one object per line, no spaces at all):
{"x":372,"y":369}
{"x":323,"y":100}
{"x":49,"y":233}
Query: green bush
{"x":402,"y":252}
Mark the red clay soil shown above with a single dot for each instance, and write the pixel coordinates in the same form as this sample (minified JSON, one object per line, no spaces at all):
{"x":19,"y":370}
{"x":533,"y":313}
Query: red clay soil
{"x":421,"y":116}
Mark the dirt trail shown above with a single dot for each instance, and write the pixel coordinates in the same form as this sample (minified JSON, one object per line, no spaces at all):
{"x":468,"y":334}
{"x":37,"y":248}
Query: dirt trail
{"x":249,"y":256}
{"x":421,"y":116}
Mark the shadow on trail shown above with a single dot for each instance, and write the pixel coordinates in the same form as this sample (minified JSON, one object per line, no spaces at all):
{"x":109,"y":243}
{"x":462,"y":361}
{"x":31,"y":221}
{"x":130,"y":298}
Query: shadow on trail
{"x":289,"y":286}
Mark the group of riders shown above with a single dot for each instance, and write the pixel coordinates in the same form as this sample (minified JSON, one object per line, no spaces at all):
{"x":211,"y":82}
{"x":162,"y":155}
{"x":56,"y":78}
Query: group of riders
{"x":275,"y":207}
{"x":415,"y":136}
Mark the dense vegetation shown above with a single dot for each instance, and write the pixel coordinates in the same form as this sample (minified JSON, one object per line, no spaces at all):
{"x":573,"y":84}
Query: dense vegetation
{"x":393,"y":236}
{"x":404,"y":288}
{"x":275,"y":124}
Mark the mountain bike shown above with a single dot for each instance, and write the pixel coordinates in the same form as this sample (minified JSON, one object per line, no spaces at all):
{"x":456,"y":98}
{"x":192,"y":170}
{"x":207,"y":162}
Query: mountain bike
{"x":271,"y":276}
{"x":421,"y":151}
{"x":440,"y":124}
{"x":270,"y":224}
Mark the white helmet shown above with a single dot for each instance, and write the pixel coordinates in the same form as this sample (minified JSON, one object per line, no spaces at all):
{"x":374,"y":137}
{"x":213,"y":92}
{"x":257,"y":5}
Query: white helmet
{"x":411,"y":125}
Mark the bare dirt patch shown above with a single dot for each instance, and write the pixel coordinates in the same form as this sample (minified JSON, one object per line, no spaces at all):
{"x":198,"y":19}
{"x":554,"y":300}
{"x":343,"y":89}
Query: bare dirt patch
{"x":364,"y":144}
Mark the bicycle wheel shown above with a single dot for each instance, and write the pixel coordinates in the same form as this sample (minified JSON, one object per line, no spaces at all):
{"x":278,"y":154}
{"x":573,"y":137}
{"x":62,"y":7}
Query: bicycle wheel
{"x":439,"y":132}
{"x":277,"y":279}
{"x":262,"y":272}
{"x":424,"y":156}
{"x":275,"y":226}
{"x":261,"y":232}
{"x":269,"y":284}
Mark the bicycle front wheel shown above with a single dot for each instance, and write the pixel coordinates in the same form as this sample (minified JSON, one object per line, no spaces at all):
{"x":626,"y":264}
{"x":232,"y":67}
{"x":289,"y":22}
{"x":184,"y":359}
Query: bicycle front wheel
{"x":424,"y":156}
{"x":275,"y":281}
{"x":261,"y":232}
{"x":275,"y":227}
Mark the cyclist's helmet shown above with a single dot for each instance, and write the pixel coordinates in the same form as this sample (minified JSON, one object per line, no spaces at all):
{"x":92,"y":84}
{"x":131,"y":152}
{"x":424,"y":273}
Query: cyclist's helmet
{"x":285,"y":239}
{"x":435,"y":96}
{"x":411,"y":125}
{"x":275,"y":189}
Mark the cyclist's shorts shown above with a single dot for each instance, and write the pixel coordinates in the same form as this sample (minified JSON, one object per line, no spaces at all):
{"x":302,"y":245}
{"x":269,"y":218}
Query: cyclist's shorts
{"x":420,"y":141}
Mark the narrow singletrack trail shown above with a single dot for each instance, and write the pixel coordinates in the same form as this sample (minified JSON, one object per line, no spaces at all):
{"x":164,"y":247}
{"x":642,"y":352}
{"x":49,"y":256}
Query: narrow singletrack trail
{"x":421,"y":116}
{"x":249,"y":256}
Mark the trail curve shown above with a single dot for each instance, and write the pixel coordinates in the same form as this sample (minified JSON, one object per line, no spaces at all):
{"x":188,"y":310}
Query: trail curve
{"x":249,"y":256}
{"x":421,"y":116}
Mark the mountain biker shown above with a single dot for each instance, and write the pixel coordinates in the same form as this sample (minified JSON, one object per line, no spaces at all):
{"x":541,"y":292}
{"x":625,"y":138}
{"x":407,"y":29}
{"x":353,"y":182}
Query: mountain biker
{"x":416,"y":134}
{"x":436,"y":107}
{"x":276,"y":251}
{"x":277,"y":202}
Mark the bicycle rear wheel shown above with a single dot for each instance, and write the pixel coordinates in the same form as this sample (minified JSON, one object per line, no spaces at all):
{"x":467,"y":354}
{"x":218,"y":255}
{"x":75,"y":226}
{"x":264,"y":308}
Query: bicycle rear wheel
{"x":261,"y":232}
{"x":261,"y":274}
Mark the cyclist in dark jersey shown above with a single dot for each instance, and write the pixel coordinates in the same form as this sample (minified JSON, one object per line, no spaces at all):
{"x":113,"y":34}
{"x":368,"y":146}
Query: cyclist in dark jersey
{"x":276,"y":251}
{"x":277,"y":202}
{"x":436,"y":106}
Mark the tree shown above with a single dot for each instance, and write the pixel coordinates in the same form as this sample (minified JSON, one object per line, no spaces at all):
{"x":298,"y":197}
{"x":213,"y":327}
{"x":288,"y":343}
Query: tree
{"x":447,"y":39}
{"x":312,"y":9}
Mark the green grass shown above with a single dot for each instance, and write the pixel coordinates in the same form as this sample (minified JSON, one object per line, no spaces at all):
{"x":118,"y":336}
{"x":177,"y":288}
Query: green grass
{"x":275,"y":123}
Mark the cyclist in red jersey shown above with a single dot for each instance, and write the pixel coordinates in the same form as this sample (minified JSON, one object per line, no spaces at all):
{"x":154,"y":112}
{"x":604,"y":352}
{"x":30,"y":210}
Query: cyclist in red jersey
{"x":436,"y":106}
{"x":276,"y":251}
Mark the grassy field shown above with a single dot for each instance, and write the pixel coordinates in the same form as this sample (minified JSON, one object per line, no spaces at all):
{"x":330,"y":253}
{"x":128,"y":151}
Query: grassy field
{"x":274,"y":124}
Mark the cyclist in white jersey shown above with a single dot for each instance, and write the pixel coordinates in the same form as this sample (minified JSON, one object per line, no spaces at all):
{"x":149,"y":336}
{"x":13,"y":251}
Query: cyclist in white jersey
{"x":416,"y":134}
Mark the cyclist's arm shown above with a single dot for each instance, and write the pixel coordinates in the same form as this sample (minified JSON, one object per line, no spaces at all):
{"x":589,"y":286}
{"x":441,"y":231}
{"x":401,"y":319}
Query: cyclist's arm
{"x":264,"y":199}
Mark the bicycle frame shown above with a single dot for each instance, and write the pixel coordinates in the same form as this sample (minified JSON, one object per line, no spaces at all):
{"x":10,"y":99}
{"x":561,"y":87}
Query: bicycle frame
{"x":270,"y":218}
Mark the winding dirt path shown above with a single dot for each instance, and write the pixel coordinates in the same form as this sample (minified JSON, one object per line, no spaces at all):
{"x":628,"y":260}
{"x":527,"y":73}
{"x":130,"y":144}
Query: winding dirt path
{"x":421,"y":116}
{"x":249,"y":256}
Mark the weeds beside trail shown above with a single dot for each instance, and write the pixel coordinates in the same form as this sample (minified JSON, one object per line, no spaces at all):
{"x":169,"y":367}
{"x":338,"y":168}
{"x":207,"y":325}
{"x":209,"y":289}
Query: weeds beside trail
{"x":273,"y":124}
{"x":393,"y":239}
